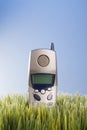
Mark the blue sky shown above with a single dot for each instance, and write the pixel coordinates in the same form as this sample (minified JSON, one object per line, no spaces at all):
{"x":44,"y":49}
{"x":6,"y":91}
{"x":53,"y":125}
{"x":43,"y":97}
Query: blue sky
{"x":27,"y":25}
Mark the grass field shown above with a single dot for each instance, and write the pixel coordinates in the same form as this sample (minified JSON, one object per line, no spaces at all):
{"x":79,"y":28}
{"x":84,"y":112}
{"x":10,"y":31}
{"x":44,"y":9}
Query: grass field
{"x":70,"y":113}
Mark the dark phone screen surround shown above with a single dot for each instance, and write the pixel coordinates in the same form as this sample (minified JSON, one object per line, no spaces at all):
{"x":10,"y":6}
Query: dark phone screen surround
{"x":42,"y":80}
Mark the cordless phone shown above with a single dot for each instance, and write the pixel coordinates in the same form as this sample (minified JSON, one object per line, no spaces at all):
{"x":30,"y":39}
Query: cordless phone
{"x":42,"y":76}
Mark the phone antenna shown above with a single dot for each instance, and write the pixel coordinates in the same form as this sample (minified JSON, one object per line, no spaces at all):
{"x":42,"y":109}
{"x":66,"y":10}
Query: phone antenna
{"x":52,"y":46}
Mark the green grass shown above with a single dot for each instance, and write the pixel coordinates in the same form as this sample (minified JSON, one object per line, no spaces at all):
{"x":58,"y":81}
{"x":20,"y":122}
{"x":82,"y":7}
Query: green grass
{"x":70,"y":113}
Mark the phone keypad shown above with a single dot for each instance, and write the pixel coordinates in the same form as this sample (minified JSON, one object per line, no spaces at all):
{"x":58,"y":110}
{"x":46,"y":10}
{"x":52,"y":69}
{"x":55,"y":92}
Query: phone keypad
{"x":50,"y":104}
{"x":36,"y":90}
{"x":43,"y":91}
{"x":49,"y":97}
{"x":37,"y":97}
{"x":49,"y":89}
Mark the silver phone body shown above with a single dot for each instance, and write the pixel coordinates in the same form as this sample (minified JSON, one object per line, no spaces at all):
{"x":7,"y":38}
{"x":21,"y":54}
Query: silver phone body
{"x":42,"y":69}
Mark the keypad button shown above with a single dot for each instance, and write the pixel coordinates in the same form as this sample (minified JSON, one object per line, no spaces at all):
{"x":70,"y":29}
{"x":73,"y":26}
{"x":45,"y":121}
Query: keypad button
{"x":49,"y":97}
{"x":50,"y":103}
{"x":36,"y":90}
{"x":43,"y":91}
{"x":37,"y":97}
{"x":49,"y":89}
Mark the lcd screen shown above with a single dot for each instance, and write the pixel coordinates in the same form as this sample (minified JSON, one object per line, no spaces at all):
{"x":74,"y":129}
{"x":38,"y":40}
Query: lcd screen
{"x":42,"y":78}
